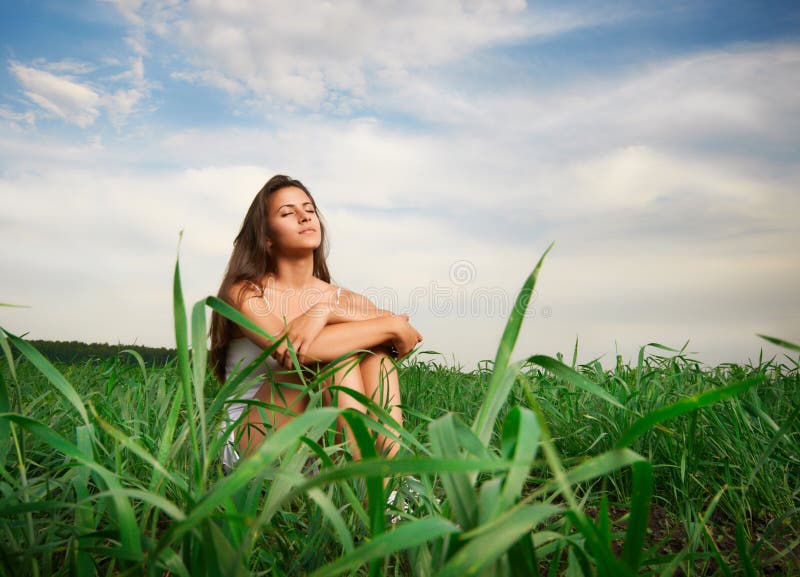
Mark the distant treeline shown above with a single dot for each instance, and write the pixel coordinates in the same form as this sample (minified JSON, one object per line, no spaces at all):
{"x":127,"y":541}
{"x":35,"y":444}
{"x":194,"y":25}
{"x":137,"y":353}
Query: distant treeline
{"x":78,"y":352}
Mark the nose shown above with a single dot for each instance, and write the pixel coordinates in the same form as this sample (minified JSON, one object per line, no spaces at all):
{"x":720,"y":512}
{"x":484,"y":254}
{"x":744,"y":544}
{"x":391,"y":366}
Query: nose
{"x":304,"y":216}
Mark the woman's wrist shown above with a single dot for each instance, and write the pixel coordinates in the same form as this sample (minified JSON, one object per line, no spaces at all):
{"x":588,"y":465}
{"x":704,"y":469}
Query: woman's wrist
{"x":321,"y":309}
{"x":397,"y":324}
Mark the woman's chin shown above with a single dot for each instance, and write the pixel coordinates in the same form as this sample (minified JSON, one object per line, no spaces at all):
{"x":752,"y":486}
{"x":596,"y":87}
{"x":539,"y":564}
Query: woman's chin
{"x":302,"y":249}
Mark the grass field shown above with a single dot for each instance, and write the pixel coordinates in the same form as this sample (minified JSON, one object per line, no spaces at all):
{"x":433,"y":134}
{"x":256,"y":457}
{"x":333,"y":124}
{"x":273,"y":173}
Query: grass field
{"x":544,"y":466}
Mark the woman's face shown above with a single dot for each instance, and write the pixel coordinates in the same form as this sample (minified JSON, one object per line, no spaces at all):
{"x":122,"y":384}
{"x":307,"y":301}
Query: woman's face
{"x":293,"y":222}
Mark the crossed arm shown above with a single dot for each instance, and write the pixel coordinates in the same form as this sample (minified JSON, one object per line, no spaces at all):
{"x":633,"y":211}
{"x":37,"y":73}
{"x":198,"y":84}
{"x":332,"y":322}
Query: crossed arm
{"x":327,"y":331}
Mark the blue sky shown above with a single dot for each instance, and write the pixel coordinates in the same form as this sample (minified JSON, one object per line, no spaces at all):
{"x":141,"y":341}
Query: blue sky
{"x":657,"y":145}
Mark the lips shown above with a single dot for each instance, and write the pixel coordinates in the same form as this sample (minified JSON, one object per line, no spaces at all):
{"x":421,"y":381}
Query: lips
{"x":308,"y":230}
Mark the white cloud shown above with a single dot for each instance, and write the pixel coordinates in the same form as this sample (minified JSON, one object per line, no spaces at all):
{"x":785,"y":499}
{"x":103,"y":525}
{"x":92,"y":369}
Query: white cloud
{"x":29,"y":118}
{"x":309,"y":53}
{"x":122,"y":103}
{"x":743,"y":91}
{"x":75,"y":102}
{"x":66,"y":65}
{"x":129,"y":9}
{"x":79,"y":102}
{"x":210,"y":78}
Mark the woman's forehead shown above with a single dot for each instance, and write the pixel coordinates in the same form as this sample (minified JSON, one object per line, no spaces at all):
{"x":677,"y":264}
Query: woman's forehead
{"x":288,"y":195}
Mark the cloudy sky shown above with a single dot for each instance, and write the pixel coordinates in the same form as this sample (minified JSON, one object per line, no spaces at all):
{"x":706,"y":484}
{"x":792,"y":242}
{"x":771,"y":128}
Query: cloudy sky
{"x":447,"y":143}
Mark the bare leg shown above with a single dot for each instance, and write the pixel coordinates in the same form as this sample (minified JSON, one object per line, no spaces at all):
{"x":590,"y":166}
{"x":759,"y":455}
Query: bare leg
{"x":382,"y":385}
{"x":348,"y":375}
{"x":253,"y":427}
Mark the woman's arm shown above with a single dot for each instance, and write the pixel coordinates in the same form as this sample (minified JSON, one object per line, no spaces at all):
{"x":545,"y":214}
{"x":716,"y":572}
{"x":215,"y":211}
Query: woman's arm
{"x":331,"y":340}
{"x":335,"y":340}
{"x":316,"y":338}
{"x":351,"y":306}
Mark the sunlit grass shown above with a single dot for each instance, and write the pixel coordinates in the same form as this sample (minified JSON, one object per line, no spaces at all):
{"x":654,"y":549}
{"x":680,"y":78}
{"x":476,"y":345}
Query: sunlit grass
{"x":534,"y":467}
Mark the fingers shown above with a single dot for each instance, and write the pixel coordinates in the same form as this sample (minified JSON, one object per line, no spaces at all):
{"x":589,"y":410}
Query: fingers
{"x":284,"y":356}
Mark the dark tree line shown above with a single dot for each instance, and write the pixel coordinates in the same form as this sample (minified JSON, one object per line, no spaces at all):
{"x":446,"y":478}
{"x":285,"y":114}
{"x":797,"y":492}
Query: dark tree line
{"x":78,"y":352}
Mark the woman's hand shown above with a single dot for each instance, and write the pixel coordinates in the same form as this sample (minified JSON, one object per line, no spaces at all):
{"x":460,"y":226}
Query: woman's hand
{"x":302,"y":331}
{"x":405,"y":337}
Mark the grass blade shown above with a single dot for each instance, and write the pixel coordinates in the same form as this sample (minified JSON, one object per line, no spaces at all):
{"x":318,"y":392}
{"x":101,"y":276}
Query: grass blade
{"x":598,"y":466}
{"x":84,"y":517}
{"x":251,"y":468}
{"x":404,"y":537}
{"x":744,"y":554}
{"x":501,"y":381}
{"x":487,"y":546}
{"x":781,"y":343}
{"x":520,"y":443}
{"x":686,"y":405}
{"x":573,"y":377}
{"x":126,"y":519}
{"x":184,"y":374}
{"x":458,"y":486}
{"x":53,"y":375}
{"x":199,"y":362}
{"x":366,"y":444}
{"x":639,"y":515}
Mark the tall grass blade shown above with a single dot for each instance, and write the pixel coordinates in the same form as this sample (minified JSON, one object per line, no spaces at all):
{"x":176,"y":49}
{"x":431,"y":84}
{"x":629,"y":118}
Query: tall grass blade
{"x":366,"y":444}
{"x":596,"y":546}
{"x":139,"y":360}
{"x":251,"y":468}
{"x":686,"y":405}
{"x":53,"y":375}
{"x":458,"y":486}
{"x":781,"y":343}
{"x":745,"y":560}
{"x":232,"y":314}
{"x":399,"y":466}
{"x":199,"y":361}
{"x":639,"y":515}
{"x":221,"y":558}
{"x":385,"y":423}
{"x":5,"y":426}
{"x":167,"y":437}
{"x":84,"y":516}
{"x":780,"y":434}
{"x":487,"y":547}
{"x":335,"y":518}
{"x":522,"y":558}
{"x":703,"y":519}
{"x":7,"y":351}
{"x":573,"y":377}
{"x":126,"y":519}
{"x":520,"y":443}
{"x":598,"y":466}
{"x":184,"y":371}
{"x":500,"y":382}
{"x":402,"y":538}
{"x":135,"y":448}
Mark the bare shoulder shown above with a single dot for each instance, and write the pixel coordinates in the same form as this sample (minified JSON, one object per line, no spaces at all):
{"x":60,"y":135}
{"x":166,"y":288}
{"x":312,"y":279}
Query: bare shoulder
{"x":243,"y":291}
{"x":356,"y":299}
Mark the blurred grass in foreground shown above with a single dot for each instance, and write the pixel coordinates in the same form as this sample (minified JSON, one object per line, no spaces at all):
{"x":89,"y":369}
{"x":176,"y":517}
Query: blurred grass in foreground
{"x":536,"y":467}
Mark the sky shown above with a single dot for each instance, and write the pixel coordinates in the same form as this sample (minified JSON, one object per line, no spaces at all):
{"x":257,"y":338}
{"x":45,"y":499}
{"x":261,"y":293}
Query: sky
{"x":447,"y":144}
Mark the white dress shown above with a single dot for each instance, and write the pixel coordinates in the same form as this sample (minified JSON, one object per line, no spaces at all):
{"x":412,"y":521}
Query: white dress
{"x":241,"y":352}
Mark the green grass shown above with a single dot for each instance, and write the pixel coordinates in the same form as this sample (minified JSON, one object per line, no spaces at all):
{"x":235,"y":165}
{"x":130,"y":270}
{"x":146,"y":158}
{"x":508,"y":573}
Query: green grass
{"x":538,"y":467}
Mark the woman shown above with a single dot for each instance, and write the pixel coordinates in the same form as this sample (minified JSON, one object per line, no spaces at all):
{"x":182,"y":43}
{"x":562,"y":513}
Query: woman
{"x":278,"y":278}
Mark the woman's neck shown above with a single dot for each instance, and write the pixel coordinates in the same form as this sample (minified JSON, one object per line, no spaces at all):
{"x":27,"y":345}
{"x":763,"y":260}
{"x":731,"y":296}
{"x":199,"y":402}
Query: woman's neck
{"x":296,"y":274}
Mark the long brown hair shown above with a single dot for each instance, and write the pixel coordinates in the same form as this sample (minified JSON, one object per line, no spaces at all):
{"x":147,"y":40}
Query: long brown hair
{"x":252,"y":259}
